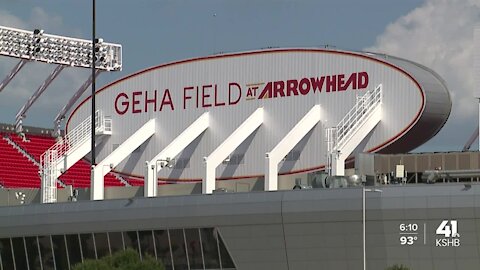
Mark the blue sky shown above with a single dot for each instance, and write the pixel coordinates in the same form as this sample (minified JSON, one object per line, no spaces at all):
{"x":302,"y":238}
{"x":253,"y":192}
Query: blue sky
{"x":154,"y":32}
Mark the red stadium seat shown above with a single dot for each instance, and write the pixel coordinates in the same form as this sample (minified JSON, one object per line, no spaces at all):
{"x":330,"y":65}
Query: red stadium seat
{"x":15,"y":169}
{"x":18,"y":171}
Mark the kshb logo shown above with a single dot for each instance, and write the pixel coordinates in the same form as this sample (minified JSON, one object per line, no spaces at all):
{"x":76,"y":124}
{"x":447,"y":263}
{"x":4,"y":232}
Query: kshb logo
{"x":449,"y":230}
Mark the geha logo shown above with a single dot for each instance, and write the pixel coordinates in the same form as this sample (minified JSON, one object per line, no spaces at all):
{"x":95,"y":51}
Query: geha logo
{"x":449,"y":230}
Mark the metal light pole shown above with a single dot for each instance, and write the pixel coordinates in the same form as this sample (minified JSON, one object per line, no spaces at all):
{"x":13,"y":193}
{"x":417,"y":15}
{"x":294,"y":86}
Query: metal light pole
{"x":93,"y":163}
{"x":365,"y":190}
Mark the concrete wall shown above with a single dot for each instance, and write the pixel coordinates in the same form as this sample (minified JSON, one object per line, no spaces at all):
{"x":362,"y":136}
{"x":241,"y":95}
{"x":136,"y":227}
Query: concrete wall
{"x":11,"y":196}
{"x":305,"y":229}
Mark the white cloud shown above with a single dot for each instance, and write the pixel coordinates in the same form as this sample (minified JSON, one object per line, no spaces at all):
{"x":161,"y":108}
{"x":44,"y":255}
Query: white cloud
{"x":439,"y":34}
{"x":7,"y":19}
{"x":33,"y":74}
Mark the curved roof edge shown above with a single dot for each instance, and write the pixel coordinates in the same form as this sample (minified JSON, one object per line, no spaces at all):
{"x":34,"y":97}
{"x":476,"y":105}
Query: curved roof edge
{"x":437,"y":107}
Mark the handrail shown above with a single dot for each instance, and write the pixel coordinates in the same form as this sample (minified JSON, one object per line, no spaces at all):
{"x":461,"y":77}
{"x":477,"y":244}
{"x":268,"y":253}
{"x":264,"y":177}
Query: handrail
{"x":74,"y":138}
{"x":353,"y":119}
{"x":71,"y":142}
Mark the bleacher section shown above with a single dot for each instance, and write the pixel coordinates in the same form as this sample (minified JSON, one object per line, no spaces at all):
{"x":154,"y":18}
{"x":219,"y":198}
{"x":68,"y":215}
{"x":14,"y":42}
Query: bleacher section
{"x":17,"y":171}
{"x":35,"y":145}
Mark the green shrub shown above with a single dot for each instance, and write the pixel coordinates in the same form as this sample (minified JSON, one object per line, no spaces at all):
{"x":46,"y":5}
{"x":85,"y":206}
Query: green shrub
{"x":122,"y":260}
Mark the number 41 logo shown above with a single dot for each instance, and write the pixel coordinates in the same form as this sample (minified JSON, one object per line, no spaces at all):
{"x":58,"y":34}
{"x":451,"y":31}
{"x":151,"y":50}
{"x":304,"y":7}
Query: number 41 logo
{"x":448,"y":230}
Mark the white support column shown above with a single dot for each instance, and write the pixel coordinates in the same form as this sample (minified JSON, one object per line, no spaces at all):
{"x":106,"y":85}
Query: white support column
{"x":171,"y":151}
{"x":227,"y":147}
{"x":119,"y":154}
{"x":338,"y":164}
{"x":288,"y":142}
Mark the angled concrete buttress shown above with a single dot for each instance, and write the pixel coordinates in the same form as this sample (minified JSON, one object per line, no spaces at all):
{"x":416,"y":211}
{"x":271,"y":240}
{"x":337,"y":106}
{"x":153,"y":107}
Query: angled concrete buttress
{"x":171,"y":151}
{"x":119,"y":154}
{"x":288,"y":142}
{"x":227,"y":147}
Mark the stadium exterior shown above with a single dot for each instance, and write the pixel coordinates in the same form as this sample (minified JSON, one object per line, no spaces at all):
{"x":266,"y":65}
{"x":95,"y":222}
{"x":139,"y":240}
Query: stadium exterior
{"x":296,"y":229}
{"x":236,"y":121}
{"x":252,"y":104}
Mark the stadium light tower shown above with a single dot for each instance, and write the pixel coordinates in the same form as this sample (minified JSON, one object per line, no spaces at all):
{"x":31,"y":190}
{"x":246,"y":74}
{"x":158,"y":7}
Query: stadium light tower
{"x":61,"y":51}
{"x":93,"y":48}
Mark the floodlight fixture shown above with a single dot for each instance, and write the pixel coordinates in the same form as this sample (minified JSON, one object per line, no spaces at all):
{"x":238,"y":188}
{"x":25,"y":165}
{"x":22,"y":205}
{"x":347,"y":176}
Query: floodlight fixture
{"x":38,"y":31}
{"x":59,"y":50}
{"x":165,"y":163}
{"x":38,"y":46}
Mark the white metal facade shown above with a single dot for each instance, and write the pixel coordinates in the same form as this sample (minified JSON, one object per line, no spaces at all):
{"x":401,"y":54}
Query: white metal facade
{"x":416,"y":104}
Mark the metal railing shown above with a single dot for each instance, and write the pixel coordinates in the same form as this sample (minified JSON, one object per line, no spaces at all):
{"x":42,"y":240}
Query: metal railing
{"x":107,"y":124}
{"x":354,"y":118}
{"x":331,"y":139}
{"x":71,"y":142}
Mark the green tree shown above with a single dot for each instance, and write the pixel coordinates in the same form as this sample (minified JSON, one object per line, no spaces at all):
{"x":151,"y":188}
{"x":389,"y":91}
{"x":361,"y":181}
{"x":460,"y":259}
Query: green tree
{"x":122,"y":260}
{"x":397,"y":267}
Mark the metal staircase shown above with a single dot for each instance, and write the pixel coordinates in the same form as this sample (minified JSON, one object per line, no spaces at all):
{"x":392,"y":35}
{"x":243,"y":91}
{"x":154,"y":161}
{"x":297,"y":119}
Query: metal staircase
{"x":75,"y":144}
{"x":121,"y":179}
{"x":352,"y":129}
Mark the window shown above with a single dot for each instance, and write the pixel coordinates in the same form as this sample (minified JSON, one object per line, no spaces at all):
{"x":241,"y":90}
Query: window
{"x":131,"y":240}
{"x":116,"y":241}
{"x":194,"y":248}
{"x":101,"y":244}
{"x":88,"y":246}
{"x":178,"y":249}
{"x":46,"y":252}
{"x":6,"y":253}
{"x":19,"y":253}
{"x":34,"y":260}
{"x":60,"y":251}
{"x":73,"y":246}
{"x":163,"y":248}
{"x":210,"y":249}
{"x":146,"y":243}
